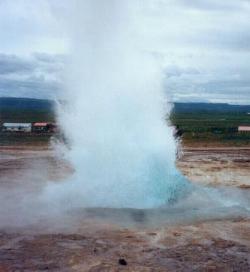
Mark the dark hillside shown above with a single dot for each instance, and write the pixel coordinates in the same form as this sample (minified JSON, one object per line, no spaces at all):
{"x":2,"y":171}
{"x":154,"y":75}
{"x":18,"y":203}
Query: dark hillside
{"x":26,"y":110}
{"x":210,"y":108}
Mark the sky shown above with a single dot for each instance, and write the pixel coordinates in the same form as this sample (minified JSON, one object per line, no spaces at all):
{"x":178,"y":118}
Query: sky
{"x":203,"y":47}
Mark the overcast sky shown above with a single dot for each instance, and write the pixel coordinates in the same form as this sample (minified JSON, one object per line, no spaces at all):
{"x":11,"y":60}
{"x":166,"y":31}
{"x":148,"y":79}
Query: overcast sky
{"x":204,"y":47}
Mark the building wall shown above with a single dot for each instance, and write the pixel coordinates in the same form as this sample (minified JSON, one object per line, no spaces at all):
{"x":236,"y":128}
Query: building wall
{"x":16,"y":129}
{"x":244,"y":129}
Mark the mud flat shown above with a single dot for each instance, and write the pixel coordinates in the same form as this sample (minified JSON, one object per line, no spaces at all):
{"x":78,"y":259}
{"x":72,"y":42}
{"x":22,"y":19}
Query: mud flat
{"x":210,"y":246}
{"x":76,"y":242}
{"x":217,"y":166}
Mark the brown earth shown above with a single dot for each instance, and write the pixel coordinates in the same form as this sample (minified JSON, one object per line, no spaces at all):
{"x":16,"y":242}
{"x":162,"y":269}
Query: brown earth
{"x":217,"y":166}
{"x":78,"y":243}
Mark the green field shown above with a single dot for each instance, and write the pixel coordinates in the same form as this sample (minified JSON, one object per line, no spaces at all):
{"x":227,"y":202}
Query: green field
{"x":199,"y":123}
{"x":212,"y":127}
{"x":7,"y":139}
{"x":27,"y":115}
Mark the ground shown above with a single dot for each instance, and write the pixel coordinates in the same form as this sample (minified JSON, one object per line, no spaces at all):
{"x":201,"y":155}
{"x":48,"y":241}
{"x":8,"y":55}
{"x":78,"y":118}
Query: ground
{"x":217,"y":166}
{"x":82,"y":242}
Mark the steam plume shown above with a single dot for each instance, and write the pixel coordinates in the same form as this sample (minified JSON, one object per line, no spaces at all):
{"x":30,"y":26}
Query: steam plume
{"x":121,"y":148}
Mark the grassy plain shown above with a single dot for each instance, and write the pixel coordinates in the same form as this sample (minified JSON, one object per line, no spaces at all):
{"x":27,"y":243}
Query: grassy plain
{"x":212,"y":128}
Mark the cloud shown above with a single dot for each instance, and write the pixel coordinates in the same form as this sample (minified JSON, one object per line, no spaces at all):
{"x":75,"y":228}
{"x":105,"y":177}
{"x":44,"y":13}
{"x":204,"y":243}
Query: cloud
{"x":202,"y":45}
{"x":31,"y":26}
{"x":175,"y":71}
{"x":12,"y":64}
{"x":214,"y":5}
{"x":205,"y":45}
{"x":231,"y":86}
{"x":36,"y":76}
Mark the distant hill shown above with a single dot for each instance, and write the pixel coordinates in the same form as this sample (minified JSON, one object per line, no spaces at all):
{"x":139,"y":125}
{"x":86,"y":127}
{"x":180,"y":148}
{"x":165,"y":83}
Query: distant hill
{"x":10,"y":103}
{"x":26,"y":110}
{"x":210,"y":108}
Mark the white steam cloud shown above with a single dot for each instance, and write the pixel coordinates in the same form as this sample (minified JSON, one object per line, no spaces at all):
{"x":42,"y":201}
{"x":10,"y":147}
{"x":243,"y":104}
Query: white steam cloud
{"x":121,"y":148}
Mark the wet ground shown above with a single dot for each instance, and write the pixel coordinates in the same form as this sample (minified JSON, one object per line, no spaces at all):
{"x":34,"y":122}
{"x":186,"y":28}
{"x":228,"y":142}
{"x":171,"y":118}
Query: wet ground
{"x":213,"y":246}
{"x":111,"y":240}
{"x":217,"y":166}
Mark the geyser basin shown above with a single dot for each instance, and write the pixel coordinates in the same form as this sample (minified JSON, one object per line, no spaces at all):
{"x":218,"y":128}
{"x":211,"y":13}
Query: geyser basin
{"x":199,"y":204}
{"x":142,"y":192}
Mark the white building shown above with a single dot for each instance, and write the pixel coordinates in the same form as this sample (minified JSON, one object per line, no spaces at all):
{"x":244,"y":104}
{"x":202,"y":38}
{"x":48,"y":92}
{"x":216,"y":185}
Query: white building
{"x":244,"y":128}
{"x":16,"y":127}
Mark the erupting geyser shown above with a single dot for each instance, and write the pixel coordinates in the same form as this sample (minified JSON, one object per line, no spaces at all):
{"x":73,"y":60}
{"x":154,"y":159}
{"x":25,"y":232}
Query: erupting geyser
{"x":120,"y":146}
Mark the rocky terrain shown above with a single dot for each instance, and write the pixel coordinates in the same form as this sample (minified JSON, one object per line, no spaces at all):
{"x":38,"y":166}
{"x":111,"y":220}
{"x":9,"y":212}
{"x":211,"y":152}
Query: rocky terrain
{"x":98,"y":241}
{"x":212,"y":246}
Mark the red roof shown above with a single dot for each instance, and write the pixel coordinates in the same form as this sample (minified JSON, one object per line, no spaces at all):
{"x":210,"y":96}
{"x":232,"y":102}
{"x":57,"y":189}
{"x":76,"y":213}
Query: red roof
{"x":40,"y":124}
